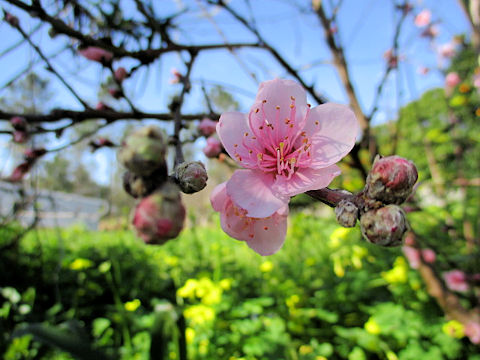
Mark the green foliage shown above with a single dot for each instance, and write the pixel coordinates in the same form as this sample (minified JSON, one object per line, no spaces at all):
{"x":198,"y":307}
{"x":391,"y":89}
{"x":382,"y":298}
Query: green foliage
{"x":326,"y":294}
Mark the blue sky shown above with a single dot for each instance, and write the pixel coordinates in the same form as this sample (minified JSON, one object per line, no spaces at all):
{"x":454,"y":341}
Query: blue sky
{"x":365,"y":27}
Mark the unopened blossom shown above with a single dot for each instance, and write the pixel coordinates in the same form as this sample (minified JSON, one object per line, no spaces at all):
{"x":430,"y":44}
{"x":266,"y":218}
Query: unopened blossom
{"x":284,"y":147}
{"x":429,"y":256}
{"x":96,"y":54}
{"x":18,"y":123}
{"x":207,"y":127}
{"x":452,"y":79}
{"x":423,"y":70}
{"x":11,"y":19}
{"x":120,"y":74}
{"x":20,"y":171}
{"x":264,"y":235}
{"x":447,"y":50}
{"x":472,"y":330}
{"x":414,"y":256}
{"x":431,"y":32}
{"x":177,"y":76}
{"x":456,"y":280}
{"x":213,"y":147}
{"x":391,"y":58}
{"x":102,"y":106}
{"x":33,"y":154}
{"x":20,"y":137}
{"x":423,"y":18}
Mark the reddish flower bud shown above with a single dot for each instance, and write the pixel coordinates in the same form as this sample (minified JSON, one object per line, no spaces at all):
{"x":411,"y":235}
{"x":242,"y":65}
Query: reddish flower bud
{"x":20,"y":137}
{"x":191,"y":176}
{"x":452,"y":79}
{"x":19,"y":123}
{"x":20,"y":171}
{"x":140,"y":186}
{"x":96,"y":54}
{"x":33,"y":154}
{"x":213,"y":147}
{"x":144,"y":151}
{"x":346,"y":213}
{"x":385,"y":226}
{"x":102,"y":106}
{"x":160,"y":216}
{"x":120,"y":74}
{"x":207,"y":127}
{"x":116,"y":93}
{"x":11,"y":19}
{"x":391,"y":179}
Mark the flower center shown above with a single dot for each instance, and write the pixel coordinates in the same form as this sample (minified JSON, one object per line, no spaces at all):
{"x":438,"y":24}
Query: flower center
{"x":276,"y":145}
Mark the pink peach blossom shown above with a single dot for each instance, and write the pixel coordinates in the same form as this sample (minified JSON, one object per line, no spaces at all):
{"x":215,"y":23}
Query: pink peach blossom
{"x":96,"y":54}
{"x":285,"y":147}
{"x":456,"y":280}
{"x":213,"y":147}
{"x":423,"y":18}
{"x":207,"y":127}
{"x":472,"y":330}
{"x":423,"y":70}
{"x":264,"y":235}
{"x":452,"y":79}
{"x":177,"y":77}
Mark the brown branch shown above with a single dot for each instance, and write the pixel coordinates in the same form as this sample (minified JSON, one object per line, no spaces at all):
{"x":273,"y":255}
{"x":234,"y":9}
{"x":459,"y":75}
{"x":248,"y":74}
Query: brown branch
{"x":144,"y":56}
{"x":91,"y":114}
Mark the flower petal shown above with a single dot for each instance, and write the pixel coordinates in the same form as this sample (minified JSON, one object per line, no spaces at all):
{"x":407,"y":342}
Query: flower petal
{"x":305,"y":179}
{"x":231,"y":129}
{"x":269,"y":233}
{"x":332,"y":129}
{"x":218,"y":197}
{"x":279,"y":93}
{"x":251,"y":190}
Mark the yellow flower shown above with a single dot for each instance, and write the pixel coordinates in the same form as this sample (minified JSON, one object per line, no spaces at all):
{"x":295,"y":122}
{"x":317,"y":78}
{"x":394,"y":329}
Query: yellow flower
{"x":464,"y":88}
{"x":305,"y":349}
{"x":213,"y":296}
{"x":132,"y":305}
{"x":199,"y":314}
{"x":81,"y":264}
{"x":372,"y":327}
{"x":338,"y":268}
{"x":292,"y":301}
{"x":454,"y":329}
{"x":266,"y":266}
{"x":226,"y":284}
{"x":338,"y":235}
{"x":399,"y":272}
{"x":189,"y":335}
{"x":188,"y":290}
{"x":319,"y":357}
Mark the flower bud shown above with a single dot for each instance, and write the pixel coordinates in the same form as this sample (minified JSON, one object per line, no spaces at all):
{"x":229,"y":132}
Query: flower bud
{"x":160,"y":216}
{"x":213,"y":147}
{"x":140,"y":186}
{"x":346,"y":213}
{"x":143,"y":151}
{"x":20,"y":171}
{"x":452,"y":79}
{"x":207,"y":127}
{"x":11,"y":19}
{"x":96,"y":54}
{"x":102,"y":106}
{"x":20,"y":137}
{"x":191,"y":176}
{"x":120,"y":74}
{"x":19,"y":123}
{"x":385,"y":226}
{"x":391,"y":179}
{"x":115,"y":92}
{"x":34,"y":154}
